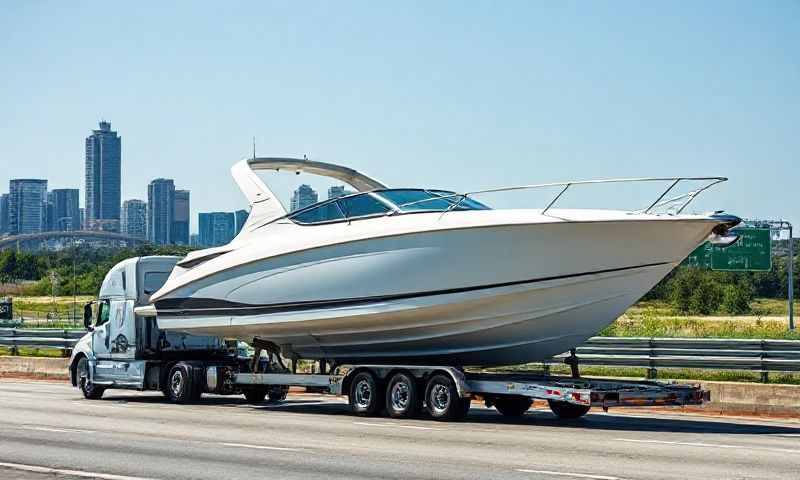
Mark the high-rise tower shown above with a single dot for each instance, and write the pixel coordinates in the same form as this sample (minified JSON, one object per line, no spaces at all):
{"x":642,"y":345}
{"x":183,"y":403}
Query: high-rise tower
{"x":160,"y":210}
{"x":27,"y":202}
{"x":103,"y":179}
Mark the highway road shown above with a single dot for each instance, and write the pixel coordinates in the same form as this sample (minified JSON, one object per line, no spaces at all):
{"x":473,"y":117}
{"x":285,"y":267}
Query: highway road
{"x":49,"y":431}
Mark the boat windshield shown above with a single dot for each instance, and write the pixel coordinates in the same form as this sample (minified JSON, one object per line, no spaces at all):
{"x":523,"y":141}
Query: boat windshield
{"x":419,"y":200}
{"x":382,"y":202}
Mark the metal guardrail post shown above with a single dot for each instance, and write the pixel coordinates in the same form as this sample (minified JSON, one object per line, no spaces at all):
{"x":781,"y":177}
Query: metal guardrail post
{"x":764,"y":372}
{"x":14,"y":343}
{"x":652,"y":371}
{"x":572,"y":361}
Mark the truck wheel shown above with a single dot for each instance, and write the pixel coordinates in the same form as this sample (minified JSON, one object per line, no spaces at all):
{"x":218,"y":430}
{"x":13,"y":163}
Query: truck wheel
{"x":255,"y":395}
{"x":568,"y":410}
{"x":180,"y":388}
{"x":513,"y":406}
{"x":402,"y":396}
{"x":442,"y":399}
{"x":365,"y":395}
{"x":89,"y":389}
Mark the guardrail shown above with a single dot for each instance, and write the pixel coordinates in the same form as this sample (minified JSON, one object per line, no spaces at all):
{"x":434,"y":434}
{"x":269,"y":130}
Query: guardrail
{"x":762,"y":356}
{"x":60,"y":339}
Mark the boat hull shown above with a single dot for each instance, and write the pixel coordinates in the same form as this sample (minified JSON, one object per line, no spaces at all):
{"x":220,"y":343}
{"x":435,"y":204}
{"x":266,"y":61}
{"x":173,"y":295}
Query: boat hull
{"x":494,"y":295}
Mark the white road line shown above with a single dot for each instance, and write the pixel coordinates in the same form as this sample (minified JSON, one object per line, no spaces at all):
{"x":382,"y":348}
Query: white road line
{"x":54,"y":429}
{"x":710,"y":445}
{"x":263,"y":447}
{"x":394,"y":425}
{"x":73,"y":473}
{"x":569,"y":474}
{"x":790,"y":435}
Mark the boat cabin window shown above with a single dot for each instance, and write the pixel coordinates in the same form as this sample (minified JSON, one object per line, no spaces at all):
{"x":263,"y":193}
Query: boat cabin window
{"x":418,"y":200}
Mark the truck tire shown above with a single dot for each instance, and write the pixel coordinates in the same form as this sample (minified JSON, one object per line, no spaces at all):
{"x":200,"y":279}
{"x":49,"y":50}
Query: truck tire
{"x":442,"y":399}
{"x":402,"y":396}
{"x":180,"y":386}
{"x":366,"y":396}
{"x":568,"y":410}
{"x":278,"y":393}
{"x":89,"y":389}
{"x":513,"y":406}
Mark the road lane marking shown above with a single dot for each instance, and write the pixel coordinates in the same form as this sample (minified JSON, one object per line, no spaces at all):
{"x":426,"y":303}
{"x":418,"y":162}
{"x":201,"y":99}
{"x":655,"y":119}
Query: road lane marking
{"x":394,"y":425}
{"x":569,"y":474}
{"x":53,"y":429}
{"x":709,"y":445}
{"x":73,"y":473}
{"x":263,"y":447}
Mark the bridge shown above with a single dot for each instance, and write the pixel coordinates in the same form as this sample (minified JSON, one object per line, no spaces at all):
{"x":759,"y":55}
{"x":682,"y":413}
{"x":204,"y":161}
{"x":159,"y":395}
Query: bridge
{"x":35,"y":240}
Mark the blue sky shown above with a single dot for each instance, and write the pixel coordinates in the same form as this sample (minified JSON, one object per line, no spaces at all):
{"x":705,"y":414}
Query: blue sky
{"x":459,"y":95}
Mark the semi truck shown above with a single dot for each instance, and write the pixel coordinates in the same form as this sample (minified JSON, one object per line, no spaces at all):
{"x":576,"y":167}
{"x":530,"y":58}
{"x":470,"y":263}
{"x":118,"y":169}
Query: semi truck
{"x":124,"y":350}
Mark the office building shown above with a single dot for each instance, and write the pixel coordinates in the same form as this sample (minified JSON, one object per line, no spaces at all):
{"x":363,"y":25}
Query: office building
{"x":338,"y":191}
{"x":134,"y":218}
{"x":103,"y":179}
{"x":3,"y":213}
{"x":303,"y":197}
{"x":160,"y":209}
{"x":27,"y":206}
{"x":241,"y":219}
{"x":216,"y":228}
{"x":64,"y":213}
{"x":179,"y":234}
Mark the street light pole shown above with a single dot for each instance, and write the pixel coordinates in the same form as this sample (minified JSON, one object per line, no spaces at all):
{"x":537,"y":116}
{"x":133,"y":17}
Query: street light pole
{"x":791,"y":279}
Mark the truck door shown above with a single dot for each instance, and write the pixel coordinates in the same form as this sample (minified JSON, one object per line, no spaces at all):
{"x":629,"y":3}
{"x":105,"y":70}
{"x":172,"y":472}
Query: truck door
{"x":101,"y":340}
{"x":121,"y":330}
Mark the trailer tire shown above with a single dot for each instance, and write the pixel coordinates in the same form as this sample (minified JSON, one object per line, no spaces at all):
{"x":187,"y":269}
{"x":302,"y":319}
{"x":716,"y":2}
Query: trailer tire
{"x":278,"y":393}
{"x":90,"y":390}
{"x":255,"y":395}
{"x":568,"y":410}
{"x":513,"y":406}
{"x":366,"y":396}
{"x":402,"y":396}
{"x":180,"y":385}
{"x":443,"y":400}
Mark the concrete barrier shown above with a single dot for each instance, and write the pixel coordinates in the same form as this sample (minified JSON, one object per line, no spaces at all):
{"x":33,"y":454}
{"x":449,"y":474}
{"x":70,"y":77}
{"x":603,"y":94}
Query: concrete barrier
{"x":738,"y":398}
{"x":38,"y":367}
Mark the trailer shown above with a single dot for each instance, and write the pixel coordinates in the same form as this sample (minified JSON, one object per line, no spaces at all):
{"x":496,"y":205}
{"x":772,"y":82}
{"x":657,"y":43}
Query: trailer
{"x":123,"y":350}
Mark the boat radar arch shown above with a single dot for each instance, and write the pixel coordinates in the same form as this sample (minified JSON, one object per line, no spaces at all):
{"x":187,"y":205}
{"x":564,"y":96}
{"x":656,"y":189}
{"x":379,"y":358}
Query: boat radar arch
{"x":264,"y":204}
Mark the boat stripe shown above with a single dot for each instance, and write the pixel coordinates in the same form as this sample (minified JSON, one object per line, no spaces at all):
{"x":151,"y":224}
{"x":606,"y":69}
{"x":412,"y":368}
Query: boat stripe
{"x":178,"y":307}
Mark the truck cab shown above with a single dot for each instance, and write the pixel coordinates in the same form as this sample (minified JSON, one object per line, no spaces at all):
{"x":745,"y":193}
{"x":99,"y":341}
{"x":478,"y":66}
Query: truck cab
{"x":125,"y":350}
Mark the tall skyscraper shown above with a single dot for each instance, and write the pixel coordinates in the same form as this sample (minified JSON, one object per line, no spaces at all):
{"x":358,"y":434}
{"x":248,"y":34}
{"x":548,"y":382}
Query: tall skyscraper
{"x":216,"y":228}
{"x":241,"y":219}
{"x":338,"y":191}
{"x":160,"y":209}
{"x":103,"y":179}
{"x":27,"y":206}
{"x":180,"y":218}
{"x":303,"y":197}
{"x":134,"y":218}
{"x":63,"y":210}
{"x":3,"y":213}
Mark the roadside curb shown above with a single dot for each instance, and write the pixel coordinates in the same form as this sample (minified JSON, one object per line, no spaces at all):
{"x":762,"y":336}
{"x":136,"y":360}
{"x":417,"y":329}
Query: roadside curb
{"x":34,"y":367}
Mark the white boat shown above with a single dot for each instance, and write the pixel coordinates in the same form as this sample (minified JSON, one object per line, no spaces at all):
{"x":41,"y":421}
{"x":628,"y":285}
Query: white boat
{"x":416,"y":275}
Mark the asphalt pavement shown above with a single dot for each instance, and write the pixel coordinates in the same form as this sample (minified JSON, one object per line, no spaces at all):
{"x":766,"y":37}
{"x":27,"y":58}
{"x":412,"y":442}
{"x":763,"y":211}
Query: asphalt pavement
{"x":49,"y":431}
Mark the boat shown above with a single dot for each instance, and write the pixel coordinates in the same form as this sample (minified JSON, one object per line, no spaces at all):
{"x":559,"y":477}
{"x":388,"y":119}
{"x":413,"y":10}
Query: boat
{"x":416,"y":275}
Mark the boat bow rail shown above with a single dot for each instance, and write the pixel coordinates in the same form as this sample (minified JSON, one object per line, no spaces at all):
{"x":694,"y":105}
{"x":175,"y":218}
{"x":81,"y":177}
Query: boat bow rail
{"x":670,"y":205}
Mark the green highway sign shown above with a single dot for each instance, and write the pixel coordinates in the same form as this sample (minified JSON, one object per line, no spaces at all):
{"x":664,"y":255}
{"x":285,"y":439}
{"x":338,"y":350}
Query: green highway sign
{"x":752,"y":253}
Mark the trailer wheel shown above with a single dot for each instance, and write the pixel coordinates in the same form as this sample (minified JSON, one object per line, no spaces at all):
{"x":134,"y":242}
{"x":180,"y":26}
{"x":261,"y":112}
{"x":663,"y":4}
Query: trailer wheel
{"x":365,"y":395}
{"x":442,"y":399}
{"x":513,"y":406}
{"x":568,"y":410}
{"x":89,"y":389}
{"x":402,"y":396}
{"x":180,"y":388}
{"x":255,"y":395}
{"x":278,"y":393}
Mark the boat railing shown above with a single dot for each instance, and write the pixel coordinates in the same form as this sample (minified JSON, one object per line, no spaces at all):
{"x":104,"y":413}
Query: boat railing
{"x":678,"y":202}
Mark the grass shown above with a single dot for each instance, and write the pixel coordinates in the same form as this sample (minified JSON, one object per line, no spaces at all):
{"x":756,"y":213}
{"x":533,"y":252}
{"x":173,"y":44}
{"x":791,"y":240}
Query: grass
{"x":33,"y":352}
{"x":50,"y":313}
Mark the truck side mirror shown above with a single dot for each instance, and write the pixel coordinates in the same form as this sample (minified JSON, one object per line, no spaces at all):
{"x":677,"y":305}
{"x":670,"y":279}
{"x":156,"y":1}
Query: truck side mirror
{"x":87,"y":316}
